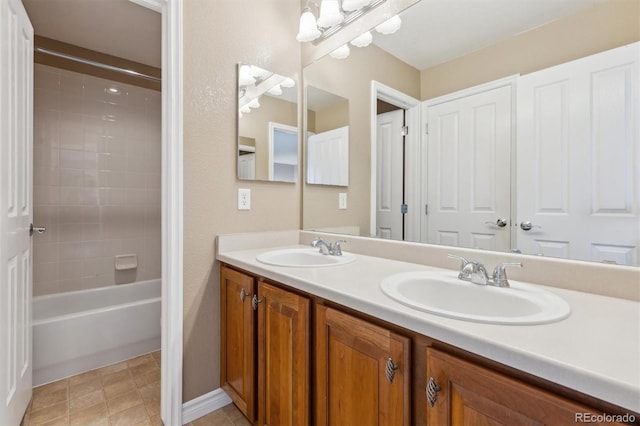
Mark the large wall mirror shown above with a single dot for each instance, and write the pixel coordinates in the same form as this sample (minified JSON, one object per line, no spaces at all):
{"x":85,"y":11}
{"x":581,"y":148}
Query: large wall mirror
{"x":267,"y":125}
{"x":497,"y":125}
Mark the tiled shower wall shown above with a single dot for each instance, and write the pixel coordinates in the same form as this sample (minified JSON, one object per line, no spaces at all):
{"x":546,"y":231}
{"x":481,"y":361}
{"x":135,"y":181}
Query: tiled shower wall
{"x":97,"y":165}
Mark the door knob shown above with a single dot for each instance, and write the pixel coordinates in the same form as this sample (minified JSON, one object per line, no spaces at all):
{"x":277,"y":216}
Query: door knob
{"x":36,"y":229}
{"x":500,"y":223}
{"x":527,"y":226}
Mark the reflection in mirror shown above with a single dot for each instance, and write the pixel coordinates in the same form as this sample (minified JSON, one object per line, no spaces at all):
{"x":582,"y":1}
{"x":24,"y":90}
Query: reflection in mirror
{"x":495,"y":76}
{"x":327,"y":142}
{"x":267,"y":125}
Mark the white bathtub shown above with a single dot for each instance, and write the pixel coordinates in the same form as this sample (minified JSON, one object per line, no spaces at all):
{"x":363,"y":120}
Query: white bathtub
{"x":82,"y":330}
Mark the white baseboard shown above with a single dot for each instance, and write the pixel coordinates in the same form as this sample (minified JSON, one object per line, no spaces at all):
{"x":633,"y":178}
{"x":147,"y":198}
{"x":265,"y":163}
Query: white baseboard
{"x":203,"y":405}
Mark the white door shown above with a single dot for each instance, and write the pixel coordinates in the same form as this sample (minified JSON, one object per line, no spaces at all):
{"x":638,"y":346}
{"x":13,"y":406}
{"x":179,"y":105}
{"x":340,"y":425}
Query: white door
{"x":16,"y":118}
{"x":468,"y":170}
{"x":578,"y":159}
{"x":389,"y":175}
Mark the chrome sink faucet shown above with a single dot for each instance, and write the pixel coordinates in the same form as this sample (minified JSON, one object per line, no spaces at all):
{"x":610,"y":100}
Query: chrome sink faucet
{"x":326,"y":248}
{"x":475,"y":272}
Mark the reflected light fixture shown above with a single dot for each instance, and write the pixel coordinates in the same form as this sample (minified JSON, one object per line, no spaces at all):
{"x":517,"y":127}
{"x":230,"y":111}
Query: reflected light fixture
{"x":275,"y":90}
{"x":288,"y":82}
{"x":341,"y":52}
{"x":254,"y":103}
{"x":363,"y":40}
{"x":390,"y":26}
{"x":245,"y":77}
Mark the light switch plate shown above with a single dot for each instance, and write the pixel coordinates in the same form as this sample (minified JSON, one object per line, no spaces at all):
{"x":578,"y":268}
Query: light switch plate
{"x":342,"y":201}
{"x":244,"y":199}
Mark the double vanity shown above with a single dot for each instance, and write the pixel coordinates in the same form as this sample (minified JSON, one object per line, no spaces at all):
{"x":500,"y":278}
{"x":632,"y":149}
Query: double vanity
{"x":312,"y":336}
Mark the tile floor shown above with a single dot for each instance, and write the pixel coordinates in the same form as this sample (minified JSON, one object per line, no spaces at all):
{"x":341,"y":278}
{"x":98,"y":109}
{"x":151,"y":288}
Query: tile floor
{"x":122,"y":394}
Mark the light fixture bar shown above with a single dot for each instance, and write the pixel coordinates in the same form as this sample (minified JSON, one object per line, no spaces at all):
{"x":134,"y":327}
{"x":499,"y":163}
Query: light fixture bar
{"x":97,"y":64}
{"x":347,"y":20}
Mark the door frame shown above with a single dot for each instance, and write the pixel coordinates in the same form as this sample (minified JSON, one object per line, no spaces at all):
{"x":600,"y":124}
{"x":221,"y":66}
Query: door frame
{"x":172,"y":209}
{"x":511,"y":81}
{"x":412,"y":159}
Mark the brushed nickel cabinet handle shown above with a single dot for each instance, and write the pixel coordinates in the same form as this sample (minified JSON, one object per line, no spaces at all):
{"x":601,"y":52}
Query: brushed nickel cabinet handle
{"x":255,"y":301}
{"x":243,"y":295}
{"x":390,"y":370}
{"x":432,"y":391}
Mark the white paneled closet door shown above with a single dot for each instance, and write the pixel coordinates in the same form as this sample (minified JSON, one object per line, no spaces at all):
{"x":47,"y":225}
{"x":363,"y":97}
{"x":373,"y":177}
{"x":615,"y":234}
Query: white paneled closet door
{"x":468,"y":169}
{"x":578,"y":159}
{"x":16,"y":144}
{"x":389,"y":175}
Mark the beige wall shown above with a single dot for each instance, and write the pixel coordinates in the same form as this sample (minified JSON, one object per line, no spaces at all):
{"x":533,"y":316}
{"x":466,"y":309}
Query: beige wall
{"x":96,"y":181}
{"x":597,"y":29}
{"x":351,"y":79}
{"x":255,"y":125}
{"x":333,"y":117}
{"x":217,"y":35}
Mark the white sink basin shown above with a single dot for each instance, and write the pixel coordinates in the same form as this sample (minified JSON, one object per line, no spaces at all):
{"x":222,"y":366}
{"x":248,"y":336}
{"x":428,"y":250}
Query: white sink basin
{"x":303,"y":258}
{"x":444,"y":294}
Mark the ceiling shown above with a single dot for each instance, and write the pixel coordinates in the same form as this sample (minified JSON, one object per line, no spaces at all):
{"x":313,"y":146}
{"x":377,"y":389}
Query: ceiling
{"x":437,"y":31}
{"x":115,"y":27}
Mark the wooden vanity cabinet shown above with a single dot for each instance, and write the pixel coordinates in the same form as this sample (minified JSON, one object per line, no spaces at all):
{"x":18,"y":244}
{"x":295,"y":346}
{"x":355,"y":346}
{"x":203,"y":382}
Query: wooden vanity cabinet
{"x":362,"y":372}
{"x":265,"y":349}
{"x":238,"y":339}
{"x":283,"y":357}
{"x":467,"y":394}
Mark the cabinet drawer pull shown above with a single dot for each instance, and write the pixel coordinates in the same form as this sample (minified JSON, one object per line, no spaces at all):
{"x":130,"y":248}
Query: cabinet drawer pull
{"x":432,"y":391}
{"x":255,"y":301}
{"x":243,"y":295}
{"x":390,"y":370}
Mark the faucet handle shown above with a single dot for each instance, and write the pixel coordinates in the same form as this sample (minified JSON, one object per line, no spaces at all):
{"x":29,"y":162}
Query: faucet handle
{"x":463,"y":261}
{"x":500,"y":273}
{"x":337,"y":249}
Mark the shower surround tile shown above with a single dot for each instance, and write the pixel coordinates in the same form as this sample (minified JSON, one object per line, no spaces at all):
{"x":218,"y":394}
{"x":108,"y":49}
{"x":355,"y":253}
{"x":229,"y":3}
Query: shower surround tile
{"x":97,"y":180}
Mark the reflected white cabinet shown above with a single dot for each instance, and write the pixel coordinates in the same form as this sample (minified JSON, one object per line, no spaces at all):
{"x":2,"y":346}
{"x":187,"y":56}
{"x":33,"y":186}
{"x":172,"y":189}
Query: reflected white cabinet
{"x":328,"y":157}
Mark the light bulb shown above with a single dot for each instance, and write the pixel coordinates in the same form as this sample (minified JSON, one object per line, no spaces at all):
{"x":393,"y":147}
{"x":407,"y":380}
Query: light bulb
{"x":330,"y":14}
{"x":308,"y":30}
{"x":341,"y":52}
{"x":351,"y":5}
{"x":275,"y":90}
{"x":390,"y":26}
{"x":363,"y":40}
{"x":288,"y":83}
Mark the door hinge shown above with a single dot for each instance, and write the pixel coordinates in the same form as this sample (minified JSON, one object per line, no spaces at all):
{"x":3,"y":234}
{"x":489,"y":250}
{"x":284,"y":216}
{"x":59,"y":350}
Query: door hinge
{"x":403,"y":208}
{"x":405,"y":130}
{"x":426,"y":209}
{"x":426,"y":128}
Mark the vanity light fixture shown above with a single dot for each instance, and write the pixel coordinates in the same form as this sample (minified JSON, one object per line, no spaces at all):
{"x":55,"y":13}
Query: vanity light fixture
{"x":254,"y":103}
{"x":288,"y":82}
{"x":332,"y":18}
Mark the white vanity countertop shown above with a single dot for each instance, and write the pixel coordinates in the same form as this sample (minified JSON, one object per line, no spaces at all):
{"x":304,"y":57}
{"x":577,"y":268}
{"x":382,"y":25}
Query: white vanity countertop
{"x":595,"y":351}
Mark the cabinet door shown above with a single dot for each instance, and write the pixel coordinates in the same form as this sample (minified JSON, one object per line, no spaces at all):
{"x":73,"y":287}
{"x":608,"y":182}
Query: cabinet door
{"x":473,"y":395}
{"x":283,"y":357}
{"x":351,"y":378}
{"x":237,"y":337}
